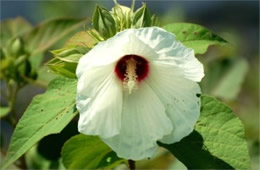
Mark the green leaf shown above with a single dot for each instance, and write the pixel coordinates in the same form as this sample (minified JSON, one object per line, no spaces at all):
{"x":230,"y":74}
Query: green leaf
{"x":223,"y":133}
{"x":65,"y":60}
{"x":191,"y":152}
{"x":195,"y":36}
{"x":110,"y":160}
{"x":47,"y":114}
{"x":49,"y":32}
{"x":4,"y":111}
{"x":70,"y":54}
{"x":88,"y":152}
{"x":217,"y":143}
{"x":45,"y":76}
{"x":63,"y":68}
{"x":11,"y":28}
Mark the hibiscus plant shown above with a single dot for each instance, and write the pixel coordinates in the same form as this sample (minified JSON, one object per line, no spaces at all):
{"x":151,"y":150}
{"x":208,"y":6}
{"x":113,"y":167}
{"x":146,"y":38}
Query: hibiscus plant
{"x":131,"y":85}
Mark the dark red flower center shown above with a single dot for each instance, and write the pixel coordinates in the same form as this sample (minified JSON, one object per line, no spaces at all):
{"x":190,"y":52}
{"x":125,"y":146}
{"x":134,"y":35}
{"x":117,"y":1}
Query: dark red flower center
{"x":132,"y":67}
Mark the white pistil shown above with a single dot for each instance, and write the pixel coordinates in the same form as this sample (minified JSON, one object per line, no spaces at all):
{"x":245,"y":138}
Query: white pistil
{"x":130,"y":80}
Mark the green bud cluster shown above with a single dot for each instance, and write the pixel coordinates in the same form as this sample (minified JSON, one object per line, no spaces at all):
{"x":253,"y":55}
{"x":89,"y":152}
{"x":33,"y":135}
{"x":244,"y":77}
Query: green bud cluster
{"x":15,"y":64}
{"x":108,"y":23}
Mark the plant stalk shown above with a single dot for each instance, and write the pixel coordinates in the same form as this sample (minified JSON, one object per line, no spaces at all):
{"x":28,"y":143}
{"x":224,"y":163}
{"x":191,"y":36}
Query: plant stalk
{"x":12,"y":94}
{"x":131,"y":164}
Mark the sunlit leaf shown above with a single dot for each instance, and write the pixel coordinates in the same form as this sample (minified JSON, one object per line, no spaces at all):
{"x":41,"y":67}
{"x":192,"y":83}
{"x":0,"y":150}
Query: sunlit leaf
{"x":223,"y":133}
{"x":45,"y":76}
{"x":70,"y":54}
{"x":88,"y":152}
{"x":63,"y":68}
{"x":218,"y":141}
{"x":195,"y":36}
{"x":47,"y":114}
{"x":65,"y":60}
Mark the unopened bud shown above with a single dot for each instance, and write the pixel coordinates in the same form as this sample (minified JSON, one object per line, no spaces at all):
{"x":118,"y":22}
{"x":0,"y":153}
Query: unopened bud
{"x":123,"y":16}
{"x":16,"y":47}
{"x":104,"y":23}
{"x":142,"y":17}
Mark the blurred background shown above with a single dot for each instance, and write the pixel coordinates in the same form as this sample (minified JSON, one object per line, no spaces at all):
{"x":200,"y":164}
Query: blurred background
{"x":235,"y":21}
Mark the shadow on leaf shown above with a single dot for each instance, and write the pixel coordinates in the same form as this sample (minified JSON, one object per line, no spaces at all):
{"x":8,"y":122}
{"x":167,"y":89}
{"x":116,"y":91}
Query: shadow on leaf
{"x":192,"y":153}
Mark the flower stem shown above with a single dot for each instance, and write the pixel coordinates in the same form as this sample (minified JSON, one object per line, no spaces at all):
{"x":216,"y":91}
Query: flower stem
{"x":131,"y":164}
{"x":12,"y":93}
{"x":13,"y":88}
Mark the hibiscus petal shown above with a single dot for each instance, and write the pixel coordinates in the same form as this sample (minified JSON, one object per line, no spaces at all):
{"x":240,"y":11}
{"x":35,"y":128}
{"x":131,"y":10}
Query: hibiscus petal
{"x":170,"y":50}
{"x":143,"y":123}
{"x":138,"y":47}
{"x":99,"y":102}
{"x":104,"y":53}
{"x":179,"y":96}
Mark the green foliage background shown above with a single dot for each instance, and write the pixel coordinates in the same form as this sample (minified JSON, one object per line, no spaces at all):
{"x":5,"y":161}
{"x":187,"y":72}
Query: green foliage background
{"x":232,"y":73}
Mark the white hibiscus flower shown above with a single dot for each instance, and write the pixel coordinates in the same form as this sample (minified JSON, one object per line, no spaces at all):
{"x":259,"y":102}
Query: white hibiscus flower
{"x":137,"y":88}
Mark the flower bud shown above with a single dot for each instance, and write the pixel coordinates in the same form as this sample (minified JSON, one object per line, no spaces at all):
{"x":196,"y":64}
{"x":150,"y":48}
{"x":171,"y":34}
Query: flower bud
{"x":16,"y":47}
{"x":104,"y":23}
{"x":123,"y":16}
{"x":142,"y":17}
